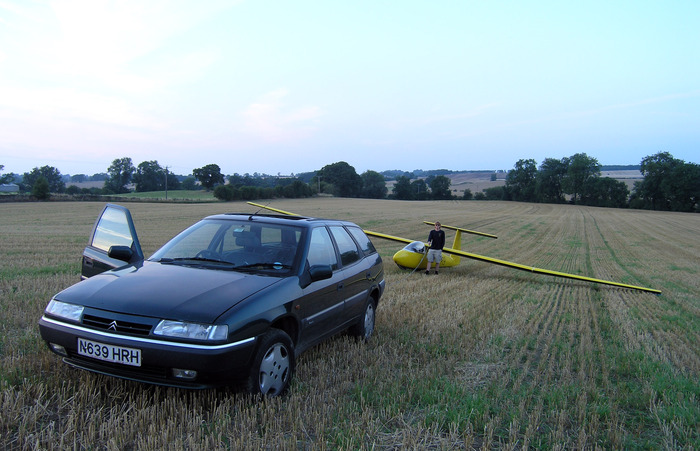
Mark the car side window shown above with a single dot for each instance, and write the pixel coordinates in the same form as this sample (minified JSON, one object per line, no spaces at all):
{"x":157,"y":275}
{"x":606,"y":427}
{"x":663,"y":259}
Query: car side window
{"x":112,"y":230}
{"x":346,"y":246}
{"x":362,"y":239}
{"x":321,"y":250}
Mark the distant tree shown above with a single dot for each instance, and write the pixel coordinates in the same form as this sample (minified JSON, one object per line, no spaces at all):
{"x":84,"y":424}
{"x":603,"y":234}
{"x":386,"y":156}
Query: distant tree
{"x":72,"y":190}
{"x":226,"y":193}
{"x":605,"y":192}
{"x":319,"y":185}
{"x":190,"y":183}
{"x":419,"y":188}
{"x":550,"y":180}
{"x":40,"y":188}
{"x":669,"y":183}
{"x":298,"y":189}
{"x":494,"y":193}
{"x":209,"y":175}
{"x":402,"y":188}
{"x":295,"y":190}
{"x":467,"y":194}
{"x":343,"y":177}
{"x":658,"y":171}
{"x":440,"y":187}
{"x":99,"y":177}
{"x":172,"y":181}
{"x":373,"y":185}
{"x":78,"y":178}
{"x":521,"y":181}
{"x":237,"y":179}
{"x":149,"y":176}
{"x":306,"y":177}
{"x":685,"y":187}
{"x":6,"y":178}
{"x":52,"y":176}
{"x":582,"y":171}
{"x":249,"y":193}
{"x":121,"y":172}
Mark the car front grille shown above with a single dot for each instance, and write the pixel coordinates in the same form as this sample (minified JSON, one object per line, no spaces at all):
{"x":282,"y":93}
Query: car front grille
{"x":118,"y":326}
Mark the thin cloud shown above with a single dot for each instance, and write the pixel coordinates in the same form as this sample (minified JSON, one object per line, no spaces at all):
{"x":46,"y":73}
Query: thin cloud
{"x":70,"y":104}
{"x":272,"y":120}
{"x":626,"y":105}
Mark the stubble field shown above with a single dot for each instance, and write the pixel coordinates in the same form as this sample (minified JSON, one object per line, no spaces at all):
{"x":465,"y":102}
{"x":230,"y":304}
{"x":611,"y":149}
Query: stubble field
{"x":481,"y":356}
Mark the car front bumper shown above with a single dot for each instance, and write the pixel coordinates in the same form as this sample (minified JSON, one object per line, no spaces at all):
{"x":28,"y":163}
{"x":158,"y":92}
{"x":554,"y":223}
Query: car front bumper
{"x":215,"y":365}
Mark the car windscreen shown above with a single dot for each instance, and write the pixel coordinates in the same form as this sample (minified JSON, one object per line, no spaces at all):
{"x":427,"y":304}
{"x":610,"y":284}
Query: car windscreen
{"x":237,"y":245}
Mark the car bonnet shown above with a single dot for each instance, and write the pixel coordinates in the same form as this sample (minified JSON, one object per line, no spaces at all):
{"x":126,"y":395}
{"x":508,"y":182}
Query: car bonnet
{"x":166,"y":291}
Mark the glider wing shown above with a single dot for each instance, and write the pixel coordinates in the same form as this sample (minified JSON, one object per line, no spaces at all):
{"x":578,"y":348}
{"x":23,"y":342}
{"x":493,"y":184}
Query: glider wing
{"x":490,"y":259}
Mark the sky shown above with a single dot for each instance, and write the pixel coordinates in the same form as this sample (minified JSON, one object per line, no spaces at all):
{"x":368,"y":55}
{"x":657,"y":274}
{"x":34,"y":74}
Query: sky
{"x":284,"y":87}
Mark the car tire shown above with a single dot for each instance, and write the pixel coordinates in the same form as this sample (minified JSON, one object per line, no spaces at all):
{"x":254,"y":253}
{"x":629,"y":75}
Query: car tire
{"x":364,"y":328}
{"x":273,"y":365}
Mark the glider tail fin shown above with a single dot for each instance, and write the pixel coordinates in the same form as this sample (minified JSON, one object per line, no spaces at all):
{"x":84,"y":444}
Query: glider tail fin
{"x":457,"y":244}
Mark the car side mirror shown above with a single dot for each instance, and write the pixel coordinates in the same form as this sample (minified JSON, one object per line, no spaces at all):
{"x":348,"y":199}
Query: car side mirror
{"x":123,"y":253}
{"x":320,"y":272}
{"x":314,"y":273}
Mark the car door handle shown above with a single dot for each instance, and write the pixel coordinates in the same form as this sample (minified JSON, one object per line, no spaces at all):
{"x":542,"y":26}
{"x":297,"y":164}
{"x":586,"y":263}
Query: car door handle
{"x":340,"y":286}
{"x":369,"y":275}
{"x":88,"y":262}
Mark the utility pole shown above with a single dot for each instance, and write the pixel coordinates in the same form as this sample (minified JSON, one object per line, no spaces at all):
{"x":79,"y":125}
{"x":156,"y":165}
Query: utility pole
{"x":166,"y":183}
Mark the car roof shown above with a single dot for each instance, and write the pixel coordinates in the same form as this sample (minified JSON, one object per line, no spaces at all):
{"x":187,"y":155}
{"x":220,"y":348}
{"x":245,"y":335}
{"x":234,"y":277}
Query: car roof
{"x":304,"y":221}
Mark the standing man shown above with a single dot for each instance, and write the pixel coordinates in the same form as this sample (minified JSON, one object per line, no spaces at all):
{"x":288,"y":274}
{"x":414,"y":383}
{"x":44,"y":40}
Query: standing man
{"x":436,"y":241}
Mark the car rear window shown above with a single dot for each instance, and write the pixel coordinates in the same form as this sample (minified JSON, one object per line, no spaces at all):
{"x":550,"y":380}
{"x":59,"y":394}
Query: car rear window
{"x":362,"y":239}
{"x":346,"y":246}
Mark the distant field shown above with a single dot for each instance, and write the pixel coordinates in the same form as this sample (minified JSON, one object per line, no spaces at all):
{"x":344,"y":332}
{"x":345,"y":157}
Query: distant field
{"x":171,"y":194}
{"x":197,"y":195}
{"x":479,"y":181}
{"x":481,"y":356}
{"x":474,"y":181}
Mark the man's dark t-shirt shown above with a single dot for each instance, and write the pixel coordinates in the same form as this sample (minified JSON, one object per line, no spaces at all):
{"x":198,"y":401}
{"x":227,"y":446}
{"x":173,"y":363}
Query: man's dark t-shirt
{"x":436,"y":239}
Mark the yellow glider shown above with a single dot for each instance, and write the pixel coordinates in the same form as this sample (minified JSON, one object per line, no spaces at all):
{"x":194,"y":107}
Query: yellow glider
{"x":459,"y":253}
{"x":412,"y":256}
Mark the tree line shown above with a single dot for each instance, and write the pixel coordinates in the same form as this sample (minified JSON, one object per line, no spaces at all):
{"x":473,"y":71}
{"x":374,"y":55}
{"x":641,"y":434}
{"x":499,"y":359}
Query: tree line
{"x":668,"y":183}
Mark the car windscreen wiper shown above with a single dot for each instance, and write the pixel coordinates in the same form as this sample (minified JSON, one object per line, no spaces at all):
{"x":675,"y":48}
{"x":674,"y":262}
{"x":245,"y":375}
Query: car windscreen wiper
{"x":197,"y":260}
{"x":264,"y":265}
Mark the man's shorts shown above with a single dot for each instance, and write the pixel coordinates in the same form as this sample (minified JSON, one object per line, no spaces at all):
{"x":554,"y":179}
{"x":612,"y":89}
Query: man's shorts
{"x":434,"y":255}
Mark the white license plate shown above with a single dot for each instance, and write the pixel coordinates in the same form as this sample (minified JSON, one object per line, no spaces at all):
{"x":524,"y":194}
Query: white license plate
{"x":109,"y":353}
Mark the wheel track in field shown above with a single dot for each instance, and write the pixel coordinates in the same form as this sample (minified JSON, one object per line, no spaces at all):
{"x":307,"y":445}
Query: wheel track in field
{"x":567,"y":351}
{"x":604,"y":261}
{"x":677,"y":349}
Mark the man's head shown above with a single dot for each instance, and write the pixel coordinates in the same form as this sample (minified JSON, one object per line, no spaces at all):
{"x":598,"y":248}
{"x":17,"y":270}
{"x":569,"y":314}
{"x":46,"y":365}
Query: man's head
{"x":437,"y":225}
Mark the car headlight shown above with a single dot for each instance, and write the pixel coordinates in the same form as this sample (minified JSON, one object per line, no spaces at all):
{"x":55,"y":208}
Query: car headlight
{"x":64,"y":310}
{"x":193,"y":331}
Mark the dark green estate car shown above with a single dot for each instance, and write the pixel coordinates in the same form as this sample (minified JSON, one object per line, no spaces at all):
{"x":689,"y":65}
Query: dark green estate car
{"x":233,"y":299}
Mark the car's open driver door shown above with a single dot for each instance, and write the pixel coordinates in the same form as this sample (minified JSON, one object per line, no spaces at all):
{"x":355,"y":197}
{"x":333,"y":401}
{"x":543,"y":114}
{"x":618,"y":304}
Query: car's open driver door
{"x":113,"y":242}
